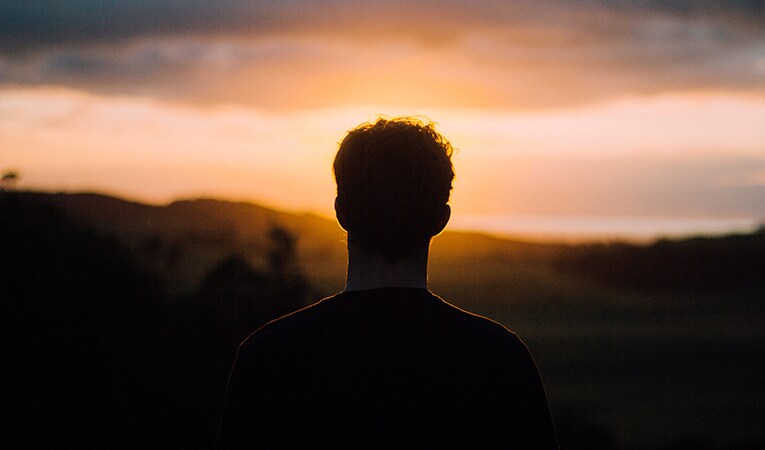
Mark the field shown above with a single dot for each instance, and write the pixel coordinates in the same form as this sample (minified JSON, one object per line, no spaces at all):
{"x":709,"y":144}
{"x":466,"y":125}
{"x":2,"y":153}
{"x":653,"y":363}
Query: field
{"x":630,"y":368}
{"x":640,"y":346}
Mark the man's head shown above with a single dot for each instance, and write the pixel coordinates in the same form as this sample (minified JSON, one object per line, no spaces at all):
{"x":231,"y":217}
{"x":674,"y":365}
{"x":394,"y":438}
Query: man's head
{"x":393,"y":183}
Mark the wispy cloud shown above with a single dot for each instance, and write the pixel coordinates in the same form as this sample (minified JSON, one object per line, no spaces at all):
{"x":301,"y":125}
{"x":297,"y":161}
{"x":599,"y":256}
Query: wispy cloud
{"x":296,"y":54}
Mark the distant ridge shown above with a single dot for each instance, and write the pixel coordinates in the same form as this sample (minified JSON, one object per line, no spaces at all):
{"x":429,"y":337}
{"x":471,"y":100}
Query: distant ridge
{"x":244,"y":220}
{"x":209,"y":230}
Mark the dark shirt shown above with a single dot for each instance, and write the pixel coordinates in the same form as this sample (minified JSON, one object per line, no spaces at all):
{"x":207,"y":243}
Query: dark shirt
{"x":385,"y":368}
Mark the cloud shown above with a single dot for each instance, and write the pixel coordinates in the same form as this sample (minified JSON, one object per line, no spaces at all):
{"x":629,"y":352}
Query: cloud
{"x":27,"y":25}
{"x":293,"y":54}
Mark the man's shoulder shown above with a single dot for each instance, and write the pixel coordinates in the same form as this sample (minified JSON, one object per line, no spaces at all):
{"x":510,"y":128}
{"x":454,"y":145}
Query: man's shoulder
{"x":478,"y":323}
{"x":418,"y":308}
{"x":286,"y":326}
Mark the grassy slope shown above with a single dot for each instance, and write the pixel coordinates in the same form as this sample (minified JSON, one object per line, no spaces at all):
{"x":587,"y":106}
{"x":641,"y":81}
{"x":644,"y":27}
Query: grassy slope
{"x":679,"y":361}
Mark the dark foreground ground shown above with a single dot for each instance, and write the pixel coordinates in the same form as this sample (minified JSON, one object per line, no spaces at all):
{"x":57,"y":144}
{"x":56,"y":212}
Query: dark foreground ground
{"x":119,"y":321}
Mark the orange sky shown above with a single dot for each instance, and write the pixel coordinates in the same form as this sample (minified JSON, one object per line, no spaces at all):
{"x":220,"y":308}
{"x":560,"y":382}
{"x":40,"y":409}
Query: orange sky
{"x":601,"y":110}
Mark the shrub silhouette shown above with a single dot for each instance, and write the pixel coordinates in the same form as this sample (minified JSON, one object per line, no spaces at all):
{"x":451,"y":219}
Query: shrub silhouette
{"x":99,"y":355}
{"x":685,"y":265}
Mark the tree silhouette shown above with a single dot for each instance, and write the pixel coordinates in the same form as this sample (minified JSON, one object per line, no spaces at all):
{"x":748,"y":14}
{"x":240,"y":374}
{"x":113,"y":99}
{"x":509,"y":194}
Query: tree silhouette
{"x":289,"y":283}
{"x":281,"y":254}
{"x":9,"y":180}
{"x":249,"y":296}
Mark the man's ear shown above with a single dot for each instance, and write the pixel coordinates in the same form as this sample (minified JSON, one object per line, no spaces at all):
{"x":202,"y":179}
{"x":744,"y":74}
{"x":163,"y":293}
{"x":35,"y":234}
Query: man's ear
{"x":340,"y":214}
{"x":445,"y":216}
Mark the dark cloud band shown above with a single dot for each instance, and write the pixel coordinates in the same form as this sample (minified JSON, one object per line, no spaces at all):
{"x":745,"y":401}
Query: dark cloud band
{"x":521,"y":54}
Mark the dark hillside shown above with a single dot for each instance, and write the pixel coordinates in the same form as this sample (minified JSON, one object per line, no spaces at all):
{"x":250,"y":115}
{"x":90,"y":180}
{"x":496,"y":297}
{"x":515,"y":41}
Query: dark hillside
{"x":197,"y":234}
{"x":97,"y":354}
{"x":694,"y":264}
{"x":120,"y":320}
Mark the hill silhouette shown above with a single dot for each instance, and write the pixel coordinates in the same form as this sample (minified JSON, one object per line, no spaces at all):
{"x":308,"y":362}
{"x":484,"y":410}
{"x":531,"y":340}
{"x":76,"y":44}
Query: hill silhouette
{"x":120,"y":320}
{"x":218,"y":228}
{"x":99,"y":350}
{"x":208,"y":230}
{"x":202,"y":232}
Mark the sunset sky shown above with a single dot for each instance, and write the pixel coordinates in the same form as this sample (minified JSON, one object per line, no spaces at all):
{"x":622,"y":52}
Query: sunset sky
{"x":629,"y":110}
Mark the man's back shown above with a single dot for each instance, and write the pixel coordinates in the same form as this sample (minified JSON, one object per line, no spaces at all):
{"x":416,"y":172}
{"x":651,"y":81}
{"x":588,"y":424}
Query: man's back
{"x":385,"y":368}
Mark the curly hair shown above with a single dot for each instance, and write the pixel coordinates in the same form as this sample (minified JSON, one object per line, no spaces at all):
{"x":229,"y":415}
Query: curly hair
{"x":393,"y":179}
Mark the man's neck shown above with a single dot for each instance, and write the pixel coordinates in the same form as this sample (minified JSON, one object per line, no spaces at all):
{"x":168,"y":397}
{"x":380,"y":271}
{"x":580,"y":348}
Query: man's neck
{"x":370,"y":272}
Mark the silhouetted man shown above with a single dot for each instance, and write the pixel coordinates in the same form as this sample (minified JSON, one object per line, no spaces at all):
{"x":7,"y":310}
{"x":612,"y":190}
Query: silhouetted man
{"x":385,"y":363}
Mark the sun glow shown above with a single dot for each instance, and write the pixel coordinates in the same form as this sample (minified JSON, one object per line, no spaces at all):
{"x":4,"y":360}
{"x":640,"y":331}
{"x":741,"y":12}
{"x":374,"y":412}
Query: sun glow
{"x":507,"y":161}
